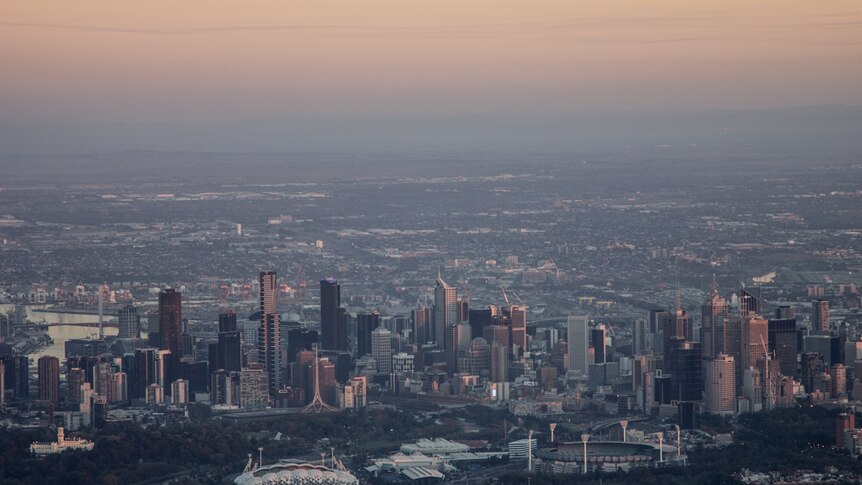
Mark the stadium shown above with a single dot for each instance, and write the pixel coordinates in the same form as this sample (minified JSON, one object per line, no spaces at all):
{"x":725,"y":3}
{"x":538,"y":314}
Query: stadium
{"x":293,"y":473}
{"x":568,"y":457}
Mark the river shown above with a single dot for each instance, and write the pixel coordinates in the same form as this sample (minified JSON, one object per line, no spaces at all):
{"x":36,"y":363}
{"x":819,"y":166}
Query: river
{"x":62,"y":333}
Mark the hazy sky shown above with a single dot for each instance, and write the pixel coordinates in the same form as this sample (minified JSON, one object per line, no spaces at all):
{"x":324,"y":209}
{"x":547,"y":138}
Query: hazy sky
{"x":185,"y":61}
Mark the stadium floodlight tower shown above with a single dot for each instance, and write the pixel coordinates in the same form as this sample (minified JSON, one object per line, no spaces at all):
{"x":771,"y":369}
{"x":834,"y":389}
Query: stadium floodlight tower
{"x":678,"y":447}
{"x":553,"y":426}
{"x":624,"y":424}
{"x":584,"y":438}
{"x":661,"y":447}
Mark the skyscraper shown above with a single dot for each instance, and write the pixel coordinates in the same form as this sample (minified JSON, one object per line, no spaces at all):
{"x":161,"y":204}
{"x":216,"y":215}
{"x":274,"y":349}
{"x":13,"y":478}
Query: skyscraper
{"x":49,"y":379}
{"x":597,"y":341}
{"x":171,"y":328}
{"x":445,"y":309}
{"x":269,"y":334}
{"x":333,"y":326}
{"x":129,"y":322}
{"x":518,"y":314}
{"x":577,"y":341}
{"x":720,"y":385}
{"x":755,"y":333}
{"x":422,"y":325}
{"x":365,"y":324}
{"x":820,"y":319}
{"x":783,"y":342}
{"x":684,"y":360}
{"x":381,"y":349}
{"x":713,"y":314}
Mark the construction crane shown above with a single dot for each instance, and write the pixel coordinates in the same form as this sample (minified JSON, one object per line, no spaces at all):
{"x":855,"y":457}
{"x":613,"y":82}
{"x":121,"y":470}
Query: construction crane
{"x":505,"y":296}
{"x":520,"y":300}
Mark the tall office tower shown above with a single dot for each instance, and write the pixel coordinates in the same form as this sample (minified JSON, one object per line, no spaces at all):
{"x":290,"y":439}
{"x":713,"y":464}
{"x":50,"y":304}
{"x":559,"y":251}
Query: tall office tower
{"x":171,"y":328}
{"x":381,"y":349}
{"x":657,"y":324}
{"x":365,"y":324}
{"x":684,"y":360}
{"x":640,"y":336}
{"x":749,"y":301}
{"x":129,"y":322}
{"x":720,"y":386}
{"x":143,"y":374}
{"x":518,"y":315}
{"x":463,"y":311}
{"x":2,"y":382}
{"x":839,"y":380}
{"x":820,"y":319}
{"x":755,"y":333}
{"x":733,"y":328}
{"x":269,"y":333}
{"x":333,"y":329}
{"x":784,"y":342}
{"x":229,"y":350}
{"x":103,"y":379}
{"x":785,"y":311}
{"x":76,"y":377}
{"x":826,"y":345}
{"x":457,"y":340}
{"x":676,"y":326}
{"x":577,"y":341}
{"x":445,"y":309}
{"x":812,"y":366}
{"x":499,"y":362}
{"x":49,"y":379}
{"x":299,"y":339}
{"x":119,"y":387}
{"x":227,"y":321}
{"x":597,"y":342}
{"x":480,"y":318}
{"x":713,"y":314}
{"x":477,"y":359}
{"x":496,"y":333}
{"x":422,"y":326}
{"x":17,"y":375}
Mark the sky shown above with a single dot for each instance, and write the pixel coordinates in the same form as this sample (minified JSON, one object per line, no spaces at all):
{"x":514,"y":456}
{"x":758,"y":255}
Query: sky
{"x":91,"y":66}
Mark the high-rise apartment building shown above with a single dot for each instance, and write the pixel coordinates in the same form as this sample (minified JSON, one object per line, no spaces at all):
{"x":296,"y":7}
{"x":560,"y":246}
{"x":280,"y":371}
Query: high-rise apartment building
{"x":820,"y":319}
{"x":171,"y":329}
{"x":269,"y":333}
{"x":49,"y":379}
{"x":720,"y":386}
{"x":445,"y":309}
{"x":129,"y":322}
{"x":713,"y":314}
{"x":577,"y":341}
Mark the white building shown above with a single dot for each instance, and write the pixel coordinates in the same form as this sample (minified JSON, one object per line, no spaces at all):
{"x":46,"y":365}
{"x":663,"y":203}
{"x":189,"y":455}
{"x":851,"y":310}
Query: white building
{"x":62,"y":444}
{"x":381,"y":349}
{"x":402,"y":363}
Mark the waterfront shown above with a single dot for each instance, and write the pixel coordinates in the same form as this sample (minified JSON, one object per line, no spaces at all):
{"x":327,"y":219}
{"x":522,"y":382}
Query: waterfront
{"x":61,"y":333}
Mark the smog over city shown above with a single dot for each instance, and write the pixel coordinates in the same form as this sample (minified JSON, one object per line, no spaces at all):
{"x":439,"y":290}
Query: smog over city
{"x":393,"y":242}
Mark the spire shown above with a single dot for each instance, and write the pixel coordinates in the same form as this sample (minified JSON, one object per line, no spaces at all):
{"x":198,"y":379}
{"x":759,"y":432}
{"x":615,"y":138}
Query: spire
{"x":440,"y":281}
{"x":317,"y":404}
{"x":678,"y":298}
